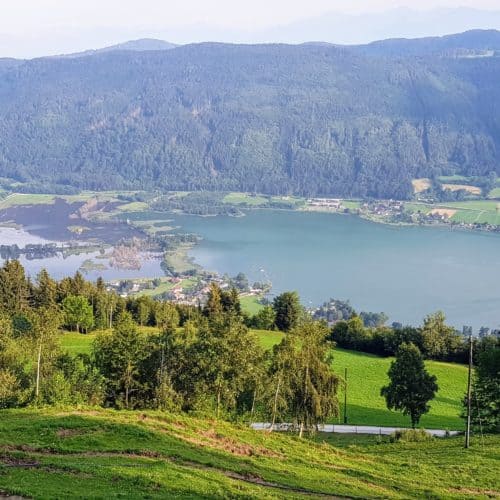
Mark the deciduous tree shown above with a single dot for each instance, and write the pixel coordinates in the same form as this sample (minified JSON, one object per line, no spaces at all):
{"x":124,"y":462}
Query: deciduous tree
{"x":411,"y":387}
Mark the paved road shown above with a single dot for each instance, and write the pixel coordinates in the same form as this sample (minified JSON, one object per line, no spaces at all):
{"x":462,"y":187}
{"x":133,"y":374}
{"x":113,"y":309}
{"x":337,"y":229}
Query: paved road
{"x":351,"y":429}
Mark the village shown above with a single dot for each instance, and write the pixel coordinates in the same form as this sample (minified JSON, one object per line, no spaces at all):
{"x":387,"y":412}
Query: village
{"x":404,"y":213}
{"x":187,"y":289}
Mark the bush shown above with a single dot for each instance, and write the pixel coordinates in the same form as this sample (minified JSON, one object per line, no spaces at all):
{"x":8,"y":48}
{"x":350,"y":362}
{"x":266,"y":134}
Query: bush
{"x":411,"y":436}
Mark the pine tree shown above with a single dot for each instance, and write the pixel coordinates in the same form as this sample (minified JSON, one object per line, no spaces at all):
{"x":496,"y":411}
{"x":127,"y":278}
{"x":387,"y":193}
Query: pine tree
{"x":214,"y":308}
{"x":288,"y":310}
{"x":485,"y":407}
{"x":45,"y":291}
{"x":14,"y":288}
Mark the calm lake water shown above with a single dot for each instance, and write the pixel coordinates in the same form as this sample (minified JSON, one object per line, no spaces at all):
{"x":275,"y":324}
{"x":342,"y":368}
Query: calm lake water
{"x":61,"y":265}
{"x":407,"y":272}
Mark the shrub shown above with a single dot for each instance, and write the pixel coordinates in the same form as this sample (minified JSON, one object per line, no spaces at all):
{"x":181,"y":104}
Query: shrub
{"x":410,"y":436}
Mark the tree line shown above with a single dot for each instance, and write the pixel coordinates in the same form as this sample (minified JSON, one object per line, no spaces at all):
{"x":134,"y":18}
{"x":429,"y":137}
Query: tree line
{"x":205,"y":358}
{"x":435,"y":339}
{"x":201,"y":359}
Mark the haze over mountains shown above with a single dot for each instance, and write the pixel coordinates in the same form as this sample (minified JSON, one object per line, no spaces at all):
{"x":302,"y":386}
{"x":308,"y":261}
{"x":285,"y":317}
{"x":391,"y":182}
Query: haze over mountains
{"x":311,"y":119}
{"x":332,"y":27}
{"x":140,"y":45}
{"x":401,"y":22}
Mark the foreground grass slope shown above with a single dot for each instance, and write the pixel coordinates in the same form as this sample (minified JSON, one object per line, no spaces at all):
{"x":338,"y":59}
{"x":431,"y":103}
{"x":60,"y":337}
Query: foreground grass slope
{"x":366,"y":375}
{"x":110,"y":454}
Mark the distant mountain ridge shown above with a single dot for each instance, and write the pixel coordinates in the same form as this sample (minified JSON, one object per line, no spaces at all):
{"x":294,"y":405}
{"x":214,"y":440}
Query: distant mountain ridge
{"x":332,"y":27}
{"x":401,"y":22}
{"x":311,"y":119}
{"x":141,"y":45}
{"x":470,"y":42}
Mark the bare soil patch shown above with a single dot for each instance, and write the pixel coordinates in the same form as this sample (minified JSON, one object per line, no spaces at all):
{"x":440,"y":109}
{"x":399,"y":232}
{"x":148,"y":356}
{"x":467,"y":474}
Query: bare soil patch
{"x":211,"y":439}
{"x":420,"y":185}
{"x":475,"y":492}
{"x":64,"y":433}
{"x":446,"y":212}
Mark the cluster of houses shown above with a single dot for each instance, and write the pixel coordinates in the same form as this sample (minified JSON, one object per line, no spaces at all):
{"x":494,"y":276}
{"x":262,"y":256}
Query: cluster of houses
{"x":182,"y":290}
{"x":383,"y":208}
{"x":334,"y":204}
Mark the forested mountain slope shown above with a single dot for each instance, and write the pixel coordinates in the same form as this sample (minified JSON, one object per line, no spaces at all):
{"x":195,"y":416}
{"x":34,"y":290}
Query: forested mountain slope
{"x":471,"y":43}
{"x":308,"y":119}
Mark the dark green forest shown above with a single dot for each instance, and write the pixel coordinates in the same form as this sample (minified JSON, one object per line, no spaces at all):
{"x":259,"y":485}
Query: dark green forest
{"x":278,"y":119}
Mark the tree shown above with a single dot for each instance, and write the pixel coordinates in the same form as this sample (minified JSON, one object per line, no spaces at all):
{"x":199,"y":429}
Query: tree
{"x":166,"y":316}
{"x":45,"y":329}
{"x":485,"y":398}
{"x":213,"y":309}
{"x":351,"y":334}
{"x":14,"y":288}
{"x":439,"y":341}
{"x":411,"y":387}
{"x":15,"y":358}
{"x":288,"y":310}
{"x":45,"y":293}
{"x":225,"y":357}
{"x":231,"y":302}
{"x":301,"y":370}
{"x":264,"y":319}
{"x":144,"y":306}
{"x":78,"y":312}
{"x":240,"y":281}
{"x":118,"y":356}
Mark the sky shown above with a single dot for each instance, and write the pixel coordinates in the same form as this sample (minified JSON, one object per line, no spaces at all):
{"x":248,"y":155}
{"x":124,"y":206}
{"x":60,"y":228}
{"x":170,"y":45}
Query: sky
{"x":37,"y":27}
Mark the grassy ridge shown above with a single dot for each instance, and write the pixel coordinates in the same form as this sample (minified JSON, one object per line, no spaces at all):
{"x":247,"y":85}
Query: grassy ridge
{"x":366,"y":375}
{"x":110,"y":454}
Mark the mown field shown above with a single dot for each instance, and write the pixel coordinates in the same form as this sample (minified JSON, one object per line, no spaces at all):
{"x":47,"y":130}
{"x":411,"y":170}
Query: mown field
{"x":473,"y":211}
{"x":366,"y":374}
{"x":483,"y":211}
{"x":16,"y":199}
{"x":112,"y":454}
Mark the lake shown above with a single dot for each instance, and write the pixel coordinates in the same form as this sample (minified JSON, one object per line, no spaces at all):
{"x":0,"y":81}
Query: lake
{"x":407,"y":272}
{"x":67,"y":263}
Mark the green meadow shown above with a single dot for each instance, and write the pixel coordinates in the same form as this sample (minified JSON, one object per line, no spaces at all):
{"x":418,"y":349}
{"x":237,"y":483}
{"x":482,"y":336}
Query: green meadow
{"x":97,"y":453}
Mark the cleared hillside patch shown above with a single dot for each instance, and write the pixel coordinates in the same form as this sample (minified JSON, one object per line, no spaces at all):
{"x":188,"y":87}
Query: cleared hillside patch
{"x":463,"y":187}
{"x":421,"y":185}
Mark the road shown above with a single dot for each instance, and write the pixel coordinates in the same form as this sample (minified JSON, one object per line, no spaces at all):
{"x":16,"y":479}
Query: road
{"x":352,"y":429}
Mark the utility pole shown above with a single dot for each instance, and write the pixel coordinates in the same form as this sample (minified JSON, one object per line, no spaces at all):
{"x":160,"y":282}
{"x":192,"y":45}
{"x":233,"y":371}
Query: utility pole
{"x":345,"y":396}
{"x":469,"y":393}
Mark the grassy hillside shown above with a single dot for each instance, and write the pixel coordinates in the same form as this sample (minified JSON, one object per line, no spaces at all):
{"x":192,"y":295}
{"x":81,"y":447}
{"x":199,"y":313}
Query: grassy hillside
{"x":366,"y":375}
{"x":110,"y":454}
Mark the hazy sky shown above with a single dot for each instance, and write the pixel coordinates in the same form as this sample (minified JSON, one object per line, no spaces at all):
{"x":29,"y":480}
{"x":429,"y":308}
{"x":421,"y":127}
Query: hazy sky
{"x":28,"y":27}
{"x":17,"y":16}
